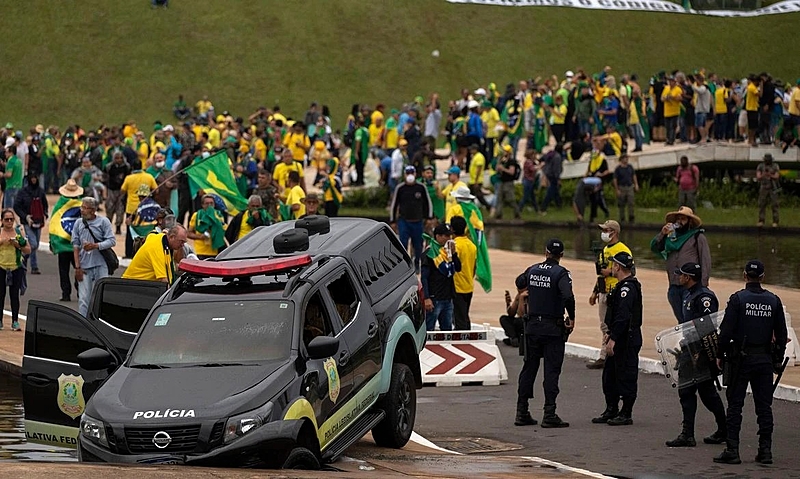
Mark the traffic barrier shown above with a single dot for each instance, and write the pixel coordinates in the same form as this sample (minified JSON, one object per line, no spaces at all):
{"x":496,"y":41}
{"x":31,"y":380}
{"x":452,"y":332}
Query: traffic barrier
{"x":455,"y":358}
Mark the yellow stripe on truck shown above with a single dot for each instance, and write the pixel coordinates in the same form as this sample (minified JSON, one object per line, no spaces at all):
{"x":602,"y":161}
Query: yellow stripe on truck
{"x":51,"y":434}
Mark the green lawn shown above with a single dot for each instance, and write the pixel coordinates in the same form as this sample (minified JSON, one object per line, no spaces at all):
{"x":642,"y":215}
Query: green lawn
{"x":747,"y":216}
{"x":101,"y":61}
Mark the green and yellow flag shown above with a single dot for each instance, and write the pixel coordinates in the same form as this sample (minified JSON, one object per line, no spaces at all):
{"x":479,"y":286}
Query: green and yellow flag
{"x":213,"y":175}
{"x":483,"y":268}
{"x":65,"y":213}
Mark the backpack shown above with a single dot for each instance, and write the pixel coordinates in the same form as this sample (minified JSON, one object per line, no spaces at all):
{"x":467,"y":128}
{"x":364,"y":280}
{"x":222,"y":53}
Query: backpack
{"x":517,"y":171}
{"x":37,"y":212}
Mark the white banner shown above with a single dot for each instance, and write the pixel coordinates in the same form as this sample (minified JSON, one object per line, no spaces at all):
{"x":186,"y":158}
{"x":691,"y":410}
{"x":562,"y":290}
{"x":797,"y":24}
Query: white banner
{"x":786,"y":6}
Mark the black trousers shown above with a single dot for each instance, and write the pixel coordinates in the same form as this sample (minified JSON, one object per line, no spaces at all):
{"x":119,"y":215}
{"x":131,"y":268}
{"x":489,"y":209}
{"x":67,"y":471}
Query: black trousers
{"x":360,"y":171}
{"x":17,"y":276}
{"x":709,"y":397}
{"x":756,"y":370}
{"x":331,"y":209}
{"x":598,"y":200}
{"x":551,"y":348}
{"x":461,"y":303}
{"x":478,"y":192}
{"x":185,"y":205}
{"x":65,"y":261}
{"x":621,"y":372}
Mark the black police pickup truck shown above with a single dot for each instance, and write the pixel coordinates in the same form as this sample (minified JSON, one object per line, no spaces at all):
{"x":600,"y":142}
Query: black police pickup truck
{"x":289,"y":347}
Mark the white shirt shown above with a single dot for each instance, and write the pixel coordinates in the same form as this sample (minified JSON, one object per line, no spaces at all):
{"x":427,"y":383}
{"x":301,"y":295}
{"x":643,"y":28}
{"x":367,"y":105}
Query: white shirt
{"x":397,"y":164}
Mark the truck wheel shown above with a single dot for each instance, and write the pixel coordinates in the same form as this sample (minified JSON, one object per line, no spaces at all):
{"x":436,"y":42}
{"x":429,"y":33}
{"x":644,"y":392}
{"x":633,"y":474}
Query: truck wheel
{"x":400,"y":406}
{"x":301,"y":458}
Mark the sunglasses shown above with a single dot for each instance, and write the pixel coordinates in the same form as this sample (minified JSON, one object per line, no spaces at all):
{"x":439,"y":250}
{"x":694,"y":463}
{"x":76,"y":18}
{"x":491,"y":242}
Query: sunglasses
{"x":8,"y":219}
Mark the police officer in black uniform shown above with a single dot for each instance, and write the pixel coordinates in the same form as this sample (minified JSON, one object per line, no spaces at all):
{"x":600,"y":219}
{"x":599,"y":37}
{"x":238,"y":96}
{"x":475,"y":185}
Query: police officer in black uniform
{"x":753,"y":317}
{"x":700,"y":302}
{"x":624,"y":321}
{"x":549,"y":290}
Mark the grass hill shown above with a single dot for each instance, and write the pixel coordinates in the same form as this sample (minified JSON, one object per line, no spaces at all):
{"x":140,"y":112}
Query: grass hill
{"x":94,"y":61}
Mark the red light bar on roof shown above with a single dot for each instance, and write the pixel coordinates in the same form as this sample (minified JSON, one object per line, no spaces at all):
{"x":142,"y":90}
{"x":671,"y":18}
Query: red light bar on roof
{"x":243,"y":267}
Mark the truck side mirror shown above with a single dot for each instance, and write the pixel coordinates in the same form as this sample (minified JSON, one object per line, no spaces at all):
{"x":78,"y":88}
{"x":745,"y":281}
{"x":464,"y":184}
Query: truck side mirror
{"x":96,"y":359}
{"x":323,"y":347}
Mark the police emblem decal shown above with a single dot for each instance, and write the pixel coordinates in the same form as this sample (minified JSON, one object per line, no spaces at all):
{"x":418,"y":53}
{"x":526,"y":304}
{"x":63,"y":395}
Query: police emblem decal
{"x":332,"y":374}
{"x":70,"y":395}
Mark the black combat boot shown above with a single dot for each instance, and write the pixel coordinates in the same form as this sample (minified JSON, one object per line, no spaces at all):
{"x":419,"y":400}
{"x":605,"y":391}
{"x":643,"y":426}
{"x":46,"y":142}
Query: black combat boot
{"x":523,"y":417}
{"x":684,"y":439}
{"x":624,"y":417}
{"x":551,"y":419}
{"x":610,"y":412}
{"x":717,"y":438}
{"x":730,"y":455}
{"x":764,"y":455}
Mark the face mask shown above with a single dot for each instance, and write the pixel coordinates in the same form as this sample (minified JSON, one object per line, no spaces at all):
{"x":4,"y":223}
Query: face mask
{"x":159,"y":164}
{"x":606,"y":237}
{"x":410,"y":179}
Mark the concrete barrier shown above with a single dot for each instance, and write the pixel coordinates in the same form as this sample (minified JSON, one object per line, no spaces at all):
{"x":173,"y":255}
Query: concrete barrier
{"x":454,"y":358}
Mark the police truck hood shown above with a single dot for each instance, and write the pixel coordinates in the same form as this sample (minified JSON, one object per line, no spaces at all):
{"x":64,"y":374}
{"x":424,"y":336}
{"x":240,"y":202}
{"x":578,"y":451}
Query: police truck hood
{"x":154,"y":395}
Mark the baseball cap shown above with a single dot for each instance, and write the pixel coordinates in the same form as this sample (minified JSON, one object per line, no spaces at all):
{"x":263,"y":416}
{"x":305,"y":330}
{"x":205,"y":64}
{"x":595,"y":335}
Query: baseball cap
{"x":480,"y":91}
{"x":610,"y":225}
{"x":623,"y":259}
{"x":10,"y":141}
{"x":428,"y":168}
{"x":442,"y":229}
{"x":169,"y":128}
{"x":454,"y":170}
{"x":690,"y":269}
{"x":555,"y":246}
{"x":472,"y":104}
{"x":410,"y":169}
{"x":569,"y":74}
{"x":754,"y":268}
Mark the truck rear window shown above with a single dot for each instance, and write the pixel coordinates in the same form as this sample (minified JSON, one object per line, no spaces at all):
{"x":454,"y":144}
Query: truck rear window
{"x":215,"y":333}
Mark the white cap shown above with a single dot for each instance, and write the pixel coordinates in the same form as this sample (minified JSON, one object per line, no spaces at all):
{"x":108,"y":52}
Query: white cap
{"x":569,"y":74}
{"x":472,"y":104}
{"x":480,"y":91}
{"x":10,"y":141}
{"x":169,"y":128}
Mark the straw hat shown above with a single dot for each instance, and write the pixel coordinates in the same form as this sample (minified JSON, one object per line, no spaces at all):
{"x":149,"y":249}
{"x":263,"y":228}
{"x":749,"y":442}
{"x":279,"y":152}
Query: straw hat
{"x":71,"y":189}
{"x":694,"y":220}
{"x":462,"y":193}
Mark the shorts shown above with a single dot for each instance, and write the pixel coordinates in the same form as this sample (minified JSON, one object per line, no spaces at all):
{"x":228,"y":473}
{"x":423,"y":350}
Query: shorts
{"x":700,"y":119}
{"x":794,"y":120}
{"x":752,"y":120}
{"x":742,"y":122}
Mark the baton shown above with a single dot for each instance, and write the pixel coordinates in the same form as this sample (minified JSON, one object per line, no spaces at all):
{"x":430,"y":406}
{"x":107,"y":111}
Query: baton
{"x":780,"y":373}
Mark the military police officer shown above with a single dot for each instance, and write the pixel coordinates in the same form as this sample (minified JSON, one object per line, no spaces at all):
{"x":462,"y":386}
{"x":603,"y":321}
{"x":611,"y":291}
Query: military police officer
{"x":549,"y":290}
{"x":752,"y":340}
{"x":624,"y":321}
{"x":700,"y":302}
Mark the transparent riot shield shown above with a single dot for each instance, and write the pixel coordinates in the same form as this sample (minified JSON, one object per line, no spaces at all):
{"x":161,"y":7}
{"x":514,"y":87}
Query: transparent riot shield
{"x":688,"y":351}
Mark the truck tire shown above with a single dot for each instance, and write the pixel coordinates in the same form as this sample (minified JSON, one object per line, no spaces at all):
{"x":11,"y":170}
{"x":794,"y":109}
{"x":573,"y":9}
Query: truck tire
{"x":400,"y":406}
{"x":301,"y":458}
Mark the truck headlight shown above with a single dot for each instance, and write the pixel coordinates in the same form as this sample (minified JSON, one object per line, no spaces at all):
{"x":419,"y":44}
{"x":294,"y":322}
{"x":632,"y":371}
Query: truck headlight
{"x":238,"y":426}
{"x":94,"y":429}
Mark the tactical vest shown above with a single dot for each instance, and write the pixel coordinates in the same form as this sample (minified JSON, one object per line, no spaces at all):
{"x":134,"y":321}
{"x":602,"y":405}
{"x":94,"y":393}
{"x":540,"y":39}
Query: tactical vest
{"x":694,"y":306}
{"x":544,"y":297}
{"x":756,"y":313}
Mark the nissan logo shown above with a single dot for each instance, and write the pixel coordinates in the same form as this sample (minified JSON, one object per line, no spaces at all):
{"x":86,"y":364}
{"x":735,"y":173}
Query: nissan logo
{"x":161,"y":439}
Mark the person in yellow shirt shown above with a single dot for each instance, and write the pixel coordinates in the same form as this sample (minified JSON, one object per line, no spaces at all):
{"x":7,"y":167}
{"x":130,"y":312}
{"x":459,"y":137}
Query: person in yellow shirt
{"x":296,"y":195}
{"x":282,"y":170}
{"x":392,"y":136}
{"x":614,"y":139}
{"x":142,"y":148}
{"x":558,"y":117}
{"x":277,"y":116}
{"x":214,"y":136}
{"x":453,"y":183}
{"x":463,"y":196}
{"x":477,"y":165}
{"x":794,"y":107}
{"x":490,"y":118}
{"x":297,"y":142}
{"x":203,"y":106}
{"x":246,"y":221}
{"x":129,"y":130}
{"x":131,"y":185}
{"x":259,"y":148}
{"x":721,"y":98}
{"x":377,"y":133}
{"x":463,"y":280}
{"x":377,"y":115}
{"x":671,"y":96}
{"x":155,"y":259}
{"x":207,"y":229}
{"x":605,"y":280}
{"x":751,"y":98}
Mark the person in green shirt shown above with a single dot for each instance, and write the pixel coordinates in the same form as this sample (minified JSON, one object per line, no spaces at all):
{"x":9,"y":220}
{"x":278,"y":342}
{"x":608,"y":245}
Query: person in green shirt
{"x":13,"y":176}
{"x":180,"y":109}
{"x":360,"y":152}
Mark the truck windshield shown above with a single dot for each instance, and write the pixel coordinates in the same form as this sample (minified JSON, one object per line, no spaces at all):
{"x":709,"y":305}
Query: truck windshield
{"x":215,"y":334}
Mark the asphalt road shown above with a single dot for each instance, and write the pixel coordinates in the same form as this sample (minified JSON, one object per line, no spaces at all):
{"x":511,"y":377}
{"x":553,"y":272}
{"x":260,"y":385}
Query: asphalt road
{"x":487,"y":412}
{"x":626,"y":451}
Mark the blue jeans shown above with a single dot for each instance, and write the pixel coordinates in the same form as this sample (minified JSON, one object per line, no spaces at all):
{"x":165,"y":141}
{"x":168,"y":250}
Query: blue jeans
{"x":675,"y":296}
{"x":552,"y":193}
{"x":584,"y":127}
{"x":638,"y":135}
{"x":9,"y":197}
{"x":443,"y":312}
{"x":34,"y":236}
{"x":528,"y":194}
{"x":90,"y":276}
{"x":411,"y":230}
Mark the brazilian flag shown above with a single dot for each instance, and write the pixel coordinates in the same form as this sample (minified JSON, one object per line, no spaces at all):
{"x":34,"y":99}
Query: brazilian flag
{"x":483,"y":268}
{"x":65,"y":213}
{"x":512,"y":117}
{"x":213,"y":175}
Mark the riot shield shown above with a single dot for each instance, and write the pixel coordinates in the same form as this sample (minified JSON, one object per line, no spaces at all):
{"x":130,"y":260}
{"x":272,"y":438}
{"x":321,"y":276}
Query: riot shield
{"x":688,"y":351}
